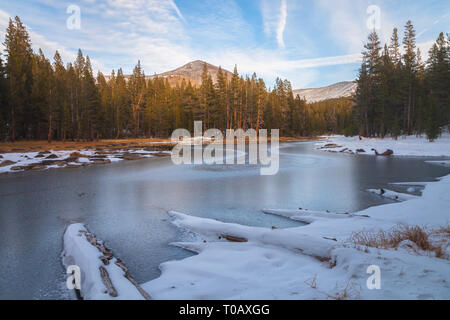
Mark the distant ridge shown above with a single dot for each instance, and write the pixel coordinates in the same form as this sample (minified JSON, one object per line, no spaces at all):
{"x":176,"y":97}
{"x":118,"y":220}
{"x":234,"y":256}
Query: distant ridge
{"x":337,"y":90}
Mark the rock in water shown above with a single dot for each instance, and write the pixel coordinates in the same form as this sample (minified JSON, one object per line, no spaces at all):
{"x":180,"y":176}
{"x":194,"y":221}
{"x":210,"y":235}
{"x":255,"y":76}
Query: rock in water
{"x":6,"y":163}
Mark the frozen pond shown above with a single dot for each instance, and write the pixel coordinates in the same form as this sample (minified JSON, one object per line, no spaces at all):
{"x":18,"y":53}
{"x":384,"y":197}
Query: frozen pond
{"x":125,"y":204}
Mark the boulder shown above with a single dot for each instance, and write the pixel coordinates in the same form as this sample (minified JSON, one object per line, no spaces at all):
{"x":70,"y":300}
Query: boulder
{"x":52,"y":162}
{"x":52,"y":156}
{"x":388,"y":152}
{"x":18,"y":168}
{"x":101,"y":161}
{"x":6,"y":163}
{"x":37,"y":167}
{"x":161,"y":154}
{"x":131,"y":156}
{"x":72,"y":166}
{"x":71,"y":159}
{"x":77,"y":155}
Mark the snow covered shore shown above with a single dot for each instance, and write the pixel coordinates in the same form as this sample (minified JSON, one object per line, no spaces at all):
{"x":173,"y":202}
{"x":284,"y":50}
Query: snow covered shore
{"x":320,"y":260}
{"x":44,"y":160}
{"x":317,"y":261}
{"x":403,"y":146}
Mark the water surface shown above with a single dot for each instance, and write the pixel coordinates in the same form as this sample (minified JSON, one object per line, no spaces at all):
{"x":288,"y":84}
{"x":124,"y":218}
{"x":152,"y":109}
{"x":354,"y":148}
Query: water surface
{"x":126,"y":205}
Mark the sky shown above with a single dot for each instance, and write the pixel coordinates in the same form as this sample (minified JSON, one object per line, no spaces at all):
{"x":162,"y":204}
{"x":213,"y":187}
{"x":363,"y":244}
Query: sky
{"x":310,"y":43}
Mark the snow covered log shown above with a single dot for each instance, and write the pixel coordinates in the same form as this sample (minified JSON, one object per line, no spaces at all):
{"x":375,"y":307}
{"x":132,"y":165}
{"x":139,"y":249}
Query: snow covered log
{"x":307,"y":216}
{"x":103,"y":277}
{"x":213,"y":230}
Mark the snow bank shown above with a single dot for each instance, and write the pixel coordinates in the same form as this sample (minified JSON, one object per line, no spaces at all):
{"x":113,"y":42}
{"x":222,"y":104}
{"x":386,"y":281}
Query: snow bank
{"x":393,"y":195}
{"x":445,"y":163}
{"x":79,"y":251}
{"x":316,"y":261}
{"x":21,"y":160}
{"x":307,"y":216}
{"x":403,"y":146}
{"x":215,"y":230}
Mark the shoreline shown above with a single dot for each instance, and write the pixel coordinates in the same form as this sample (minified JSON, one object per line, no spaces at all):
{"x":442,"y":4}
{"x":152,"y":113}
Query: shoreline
{"x":40,"y":155}
{"x":42,"y":145}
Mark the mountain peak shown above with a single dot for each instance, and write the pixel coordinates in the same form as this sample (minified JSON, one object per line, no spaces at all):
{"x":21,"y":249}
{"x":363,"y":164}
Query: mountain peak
{"x":192,"y":71}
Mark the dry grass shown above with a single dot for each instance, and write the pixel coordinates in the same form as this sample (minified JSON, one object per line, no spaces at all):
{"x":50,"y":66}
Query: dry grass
{"x":442,"y":230}
{"x":312,"y":282}
{"x":349,"y":292}
{"x":36,"y":146}
{"x":393,"y":237}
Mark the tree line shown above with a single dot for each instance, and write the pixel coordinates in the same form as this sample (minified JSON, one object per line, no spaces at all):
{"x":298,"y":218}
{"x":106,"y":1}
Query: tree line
{"x":43,"y":99}
{"x":398,"y":93}
{"x":40,"y":99}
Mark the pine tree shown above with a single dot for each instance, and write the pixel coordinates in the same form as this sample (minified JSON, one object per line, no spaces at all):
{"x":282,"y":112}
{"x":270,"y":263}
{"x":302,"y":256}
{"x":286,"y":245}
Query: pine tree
{"x":137,"y":90}
{"x":234,"y":100}
{"x":394,"y":48}
{"x":369,"y":84}
{"x":410,"y":65}
{"x":41,"y":95}
{"x":60,"y":101}
{"x":91,"y":102}
{"x":19,"y":57}
{"x":438,"y":78}
{"x":3,"y":101}
{"x":121,"y":101}
{"x":222,"y":101}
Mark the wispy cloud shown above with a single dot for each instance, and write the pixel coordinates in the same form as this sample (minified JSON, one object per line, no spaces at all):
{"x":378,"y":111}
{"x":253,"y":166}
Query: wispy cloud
{"x":283,"y":39}
{"x":282,"y":23}
{"x":274,"y":13}
{"x":124,"y":31}
{"x":175,"y":7}
{"x":39,"y":41}
{"x":437,"y":21}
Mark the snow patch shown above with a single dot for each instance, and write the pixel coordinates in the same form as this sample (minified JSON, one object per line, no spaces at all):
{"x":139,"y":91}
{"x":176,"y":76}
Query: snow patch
{"x":403,"y":146}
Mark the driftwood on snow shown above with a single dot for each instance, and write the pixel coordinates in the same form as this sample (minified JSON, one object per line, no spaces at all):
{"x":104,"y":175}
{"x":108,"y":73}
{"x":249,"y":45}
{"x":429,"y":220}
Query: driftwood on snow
{"x":106,"y":258}
{"x":233,"y":238}
{"x":107,"y":282}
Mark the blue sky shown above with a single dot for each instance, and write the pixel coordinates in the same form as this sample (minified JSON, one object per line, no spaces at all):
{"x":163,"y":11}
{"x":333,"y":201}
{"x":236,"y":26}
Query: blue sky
{"x":311,"y":43}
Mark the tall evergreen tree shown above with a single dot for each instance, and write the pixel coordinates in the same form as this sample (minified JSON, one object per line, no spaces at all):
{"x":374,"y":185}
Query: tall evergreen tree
{"x":19,"y":57}
{"x":410,"y":66}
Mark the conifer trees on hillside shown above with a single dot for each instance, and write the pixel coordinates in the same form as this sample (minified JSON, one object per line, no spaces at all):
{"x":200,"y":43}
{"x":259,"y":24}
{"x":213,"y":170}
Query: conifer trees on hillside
{"x":400,"y":94}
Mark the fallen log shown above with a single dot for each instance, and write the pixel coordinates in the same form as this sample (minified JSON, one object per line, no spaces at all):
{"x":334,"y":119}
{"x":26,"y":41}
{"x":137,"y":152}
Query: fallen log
{"x":107,"y":282}
{"x":108,"y":262}
{"x":233,"y":238}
